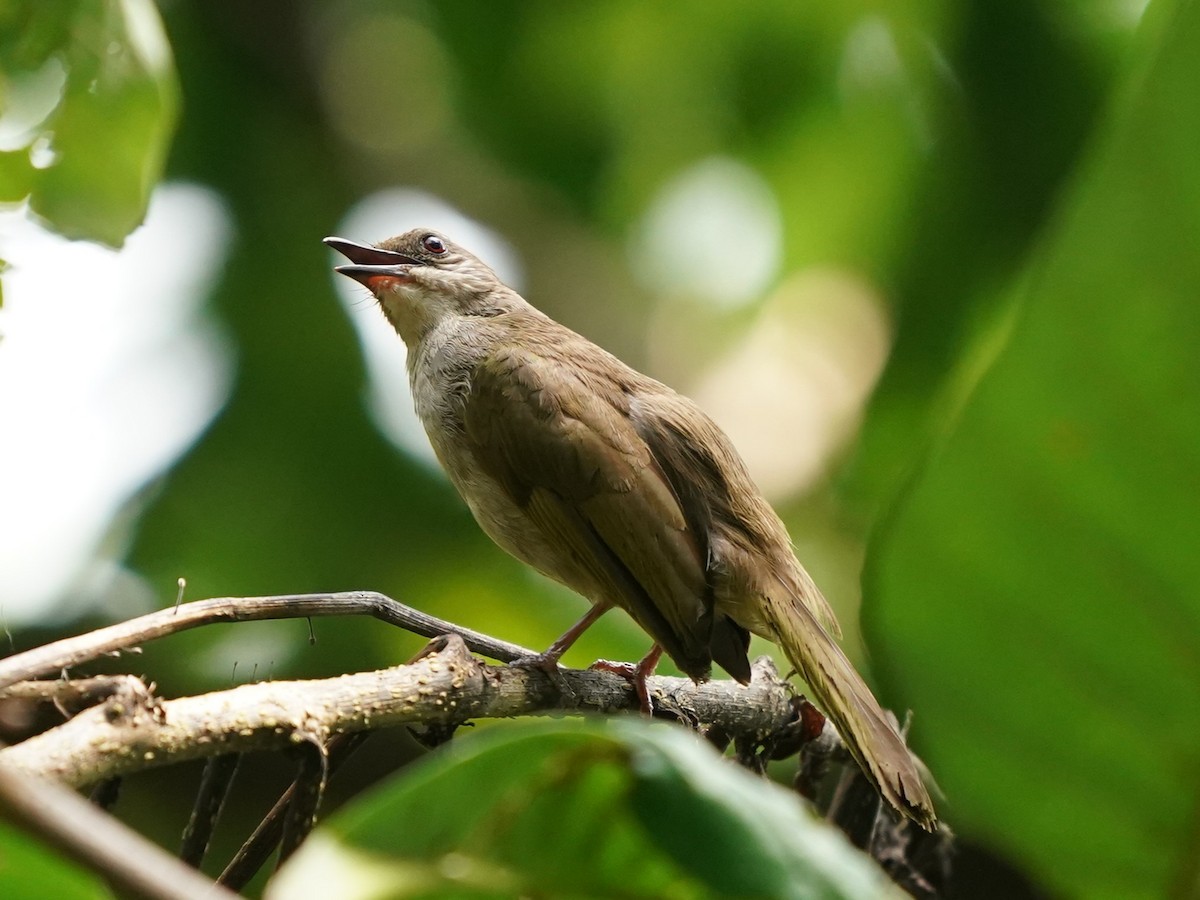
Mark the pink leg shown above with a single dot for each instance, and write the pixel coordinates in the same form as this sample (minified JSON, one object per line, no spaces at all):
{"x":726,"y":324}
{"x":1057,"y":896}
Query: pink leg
{"x":636,"y":674}
{"x":547,"y":661}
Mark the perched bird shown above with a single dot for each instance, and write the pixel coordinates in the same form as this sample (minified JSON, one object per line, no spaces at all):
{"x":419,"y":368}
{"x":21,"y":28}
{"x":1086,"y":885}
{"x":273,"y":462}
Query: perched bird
{"x":616,"y":486}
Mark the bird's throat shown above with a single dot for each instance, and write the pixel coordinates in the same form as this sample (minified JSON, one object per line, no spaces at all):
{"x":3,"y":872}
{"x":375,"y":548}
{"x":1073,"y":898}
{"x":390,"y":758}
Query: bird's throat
{"x":413,"y":313}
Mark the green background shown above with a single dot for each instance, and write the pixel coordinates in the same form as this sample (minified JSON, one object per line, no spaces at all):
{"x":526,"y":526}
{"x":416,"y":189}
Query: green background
{"x":1020,"y":185}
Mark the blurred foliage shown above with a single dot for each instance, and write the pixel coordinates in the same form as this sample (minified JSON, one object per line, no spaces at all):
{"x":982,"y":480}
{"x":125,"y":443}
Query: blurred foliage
{"x":93,"y":84}
{"x":580,"y":809}
{"x":1046,"y":552}
{"x":991,"y":168}
{"x":27,"y":866}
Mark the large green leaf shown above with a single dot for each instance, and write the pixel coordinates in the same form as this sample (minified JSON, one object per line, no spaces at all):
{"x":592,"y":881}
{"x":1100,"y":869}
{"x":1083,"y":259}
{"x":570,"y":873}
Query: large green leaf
{"x":580,"y":809}
{"x":88,"y":167}
{"x":1037,"y":590}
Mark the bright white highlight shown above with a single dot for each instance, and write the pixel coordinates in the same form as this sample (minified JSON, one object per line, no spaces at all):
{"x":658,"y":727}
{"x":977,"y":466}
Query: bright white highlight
{"x":713,"y":233}
{"x":108,"y":371}
{"x":791,"y":390}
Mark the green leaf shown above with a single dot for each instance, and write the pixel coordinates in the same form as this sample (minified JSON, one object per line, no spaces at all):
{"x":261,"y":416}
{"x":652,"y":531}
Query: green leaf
{"x":28,"y":869}
{"x":1037,"y":588}
{"x":32,"y":32}
{"x":16,"y":176}
{"x":101,"y":150}
{"x":741,"y":836}
{"x":580,"y":809}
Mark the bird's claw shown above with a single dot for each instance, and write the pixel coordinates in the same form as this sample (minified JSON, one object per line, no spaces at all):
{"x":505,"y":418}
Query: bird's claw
{"x":548,"y":664}
{"x":635,"y":673}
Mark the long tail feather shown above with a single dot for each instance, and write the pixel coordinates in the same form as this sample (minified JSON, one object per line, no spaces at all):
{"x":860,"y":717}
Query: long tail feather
{"x":845,"y":698}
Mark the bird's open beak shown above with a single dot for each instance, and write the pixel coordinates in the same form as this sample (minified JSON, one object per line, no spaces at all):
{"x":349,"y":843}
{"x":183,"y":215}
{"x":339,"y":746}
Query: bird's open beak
{"x":371,"y":263}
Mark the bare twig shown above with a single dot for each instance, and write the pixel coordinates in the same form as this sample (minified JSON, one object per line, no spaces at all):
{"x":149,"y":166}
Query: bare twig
{"x":71,"y":695}
{"x":73,"y":651}
{"x":307,"y":790}
{"x":133,"y":865}
{"x":104,"y":794}
{"x":261,"y":844}
{"x":444,"y":687}
{"x":210,"y":798}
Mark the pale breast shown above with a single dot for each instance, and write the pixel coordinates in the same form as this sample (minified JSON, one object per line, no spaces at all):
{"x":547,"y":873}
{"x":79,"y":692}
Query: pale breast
{"x":440,"y":383}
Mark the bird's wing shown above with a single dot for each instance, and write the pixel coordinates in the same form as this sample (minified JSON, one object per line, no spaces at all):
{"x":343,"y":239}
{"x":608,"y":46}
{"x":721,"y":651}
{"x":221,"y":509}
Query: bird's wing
{"x":717,"y":493}
{"x":696,"y":455}
{"x":583,"y":476}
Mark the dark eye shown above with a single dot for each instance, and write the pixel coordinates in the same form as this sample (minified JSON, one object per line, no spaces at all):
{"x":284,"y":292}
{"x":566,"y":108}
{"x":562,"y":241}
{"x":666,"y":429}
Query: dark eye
{"x":433,"y":244}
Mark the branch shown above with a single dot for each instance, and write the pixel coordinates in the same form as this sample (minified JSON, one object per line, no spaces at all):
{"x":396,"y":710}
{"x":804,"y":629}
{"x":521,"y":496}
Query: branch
{"x":72,"y":696}
{"x":445,"y":686}
{"x":261,"y":844}
{"x":53,"y":658}
{"x":132,"y":864}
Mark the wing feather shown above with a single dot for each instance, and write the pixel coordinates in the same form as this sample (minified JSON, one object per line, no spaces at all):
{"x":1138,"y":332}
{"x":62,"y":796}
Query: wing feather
{"x":721,"y":498}
{"x":585,"y":478}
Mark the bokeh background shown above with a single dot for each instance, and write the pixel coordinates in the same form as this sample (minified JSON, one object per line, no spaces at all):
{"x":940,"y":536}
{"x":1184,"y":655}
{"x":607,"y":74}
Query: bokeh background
{"x":933,"y":266}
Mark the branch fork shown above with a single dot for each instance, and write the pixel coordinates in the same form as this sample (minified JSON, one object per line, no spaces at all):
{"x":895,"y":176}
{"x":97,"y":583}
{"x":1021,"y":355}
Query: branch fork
{"x":444,"y":685}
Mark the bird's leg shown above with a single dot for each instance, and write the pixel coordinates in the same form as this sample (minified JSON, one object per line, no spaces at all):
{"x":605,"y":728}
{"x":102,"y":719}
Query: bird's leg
{"x":547,"y":661}
{"x":636,"y":674}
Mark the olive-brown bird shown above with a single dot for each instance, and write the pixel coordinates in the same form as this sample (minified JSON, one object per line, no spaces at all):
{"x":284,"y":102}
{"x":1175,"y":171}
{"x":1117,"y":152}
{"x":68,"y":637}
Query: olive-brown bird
{"x":616,"y":486}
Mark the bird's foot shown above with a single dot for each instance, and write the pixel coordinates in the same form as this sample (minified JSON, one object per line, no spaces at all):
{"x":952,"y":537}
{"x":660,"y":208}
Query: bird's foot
{"x":547,"y":663}
{"x":636,"y":674}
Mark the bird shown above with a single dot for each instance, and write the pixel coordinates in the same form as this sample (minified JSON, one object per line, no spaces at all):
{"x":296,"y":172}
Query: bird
{"x":618,"y":487}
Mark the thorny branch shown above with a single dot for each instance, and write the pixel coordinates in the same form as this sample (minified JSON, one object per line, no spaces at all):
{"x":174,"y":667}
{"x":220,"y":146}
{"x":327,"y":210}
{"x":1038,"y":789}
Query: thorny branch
{"x":119,"y":726}
{"x":446,"y":686}
{"x":134,"y":729}
{"x":69,"y":652}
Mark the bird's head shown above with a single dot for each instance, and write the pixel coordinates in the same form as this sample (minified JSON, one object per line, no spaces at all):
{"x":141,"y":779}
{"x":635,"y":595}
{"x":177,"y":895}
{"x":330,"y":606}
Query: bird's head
{"x":420,"y":278}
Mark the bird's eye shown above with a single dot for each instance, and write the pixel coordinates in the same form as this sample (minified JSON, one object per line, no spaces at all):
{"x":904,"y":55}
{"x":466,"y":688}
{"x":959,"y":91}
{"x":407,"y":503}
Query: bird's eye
{"x":433,"y":244}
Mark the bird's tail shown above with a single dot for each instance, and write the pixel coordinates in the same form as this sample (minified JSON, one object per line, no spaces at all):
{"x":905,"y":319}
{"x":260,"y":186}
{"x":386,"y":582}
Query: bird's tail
{"x":845,"y":698}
